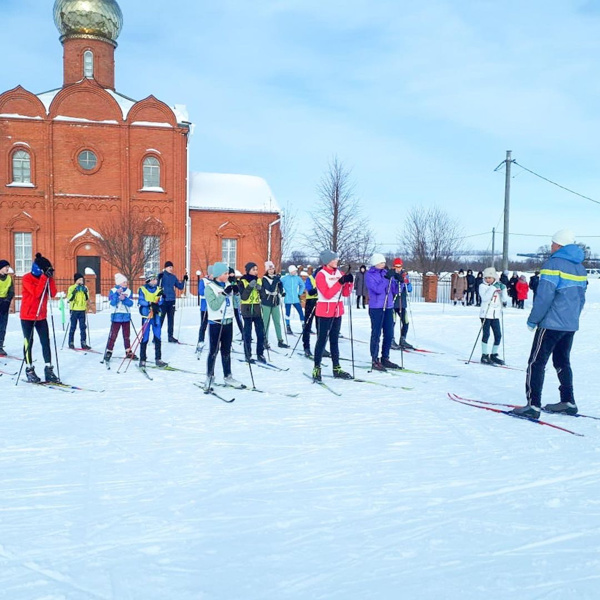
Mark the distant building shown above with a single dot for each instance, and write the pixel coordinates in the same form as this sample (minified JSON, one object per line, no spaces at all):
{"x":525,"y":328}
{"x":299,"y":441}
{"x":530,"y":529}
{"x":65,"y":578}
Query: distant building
{"x":72,"y":156}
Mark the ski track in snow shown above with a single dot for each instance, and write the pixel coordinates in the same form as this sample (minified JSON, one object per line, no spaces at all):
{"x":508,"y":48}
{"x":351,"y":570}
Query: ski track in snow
{"x":153,"y":490}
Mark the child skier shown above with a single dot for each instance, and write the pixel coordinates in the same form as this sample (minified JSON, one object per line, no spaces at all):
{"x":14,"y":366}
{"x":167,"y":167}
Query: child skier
{"x":401,"y":303}
{"x":493,"y":297}
{"x":522,"y":291}
{"x":251,"y":286}
{"x":332,"y":287}
{"x":270,"y":295}
{"x":220,"y":294}
{"x":77,"y":297}
{"x":37,"y":288}
{"x":120,"y":299}
{"x":150,"y":300}
{"x":7,"y":292}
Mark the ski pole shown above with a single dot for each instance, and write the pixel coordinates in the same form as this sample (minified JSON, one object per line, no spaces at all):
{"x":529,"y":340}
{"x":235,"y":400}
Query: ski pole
{"x":135,"y":345}
{"x":351,"y":334}
{"x":180,"y":317}
{"x":108,"y":340}
{"x":54,"y":338}
{"x":28,"y":342}
{"x":61,"y":306}
{"x":89,"y":335}
{"x":282,"y":317}
{"x":211,"y":375}
{"x":65,"y":336}
{"x":502,"y":333}
{"x":307,"y":323}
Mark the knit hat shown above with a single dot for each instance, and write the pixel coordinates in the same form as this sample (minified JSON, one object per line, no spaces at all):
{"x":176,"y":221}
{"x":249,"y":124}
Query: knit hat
{"x":398,"y":262}
{"x":327,"y":256}
{"x":42,"y":262}
{"x":269,"y":265}
{"x":209,"y":270}
{"x":377,"y":258}
{"x":523,"y":278}
{"x":219,"y":268}
{"x":77,"y":276}
{"x":4,"y":263}
{"x":120,"y":279}
{"x":168,"y":264}
{"x":292,"y":269}
{"x":489,"y":272}
{"x":150,"y":276}
{"x":237,"y":273}
{"x":564,"y":237}
{"x":304,"y":274}
{"x":249,"y":266}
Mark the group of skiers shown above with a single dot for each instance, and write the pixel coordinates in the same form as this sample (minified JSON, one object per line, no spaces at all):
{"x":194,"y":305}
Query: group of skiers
{"x":254,"y":301}
{"x":465,"y":287}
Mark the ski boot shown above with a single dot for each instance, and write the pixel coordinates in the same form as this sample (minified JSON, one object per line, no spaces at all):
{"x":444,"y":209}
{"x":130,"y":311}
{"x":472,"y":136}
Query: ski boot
{"x":395,"y":346}
{"x":84,"y":346}
{"x":3,"y":351}
{"x":261,"y":359}
{"x":107,"y":356}
{"x":71,"y":346}
{"x":142,"y":364}
{"x":326,"y":354}
{"x":282,"y":344}
{"x":495,"y":359}
{"x":49,"y":375}
{"x":377,"y":366}
{"x":339,"y":373}
{"x":568,"y":408}
{"x":199,"y":347}
{"x":486,"y":360}
{"x":316,"y":374}
{"x":405,"y":345}
{"x":308,"y":353}
{"x":249,"y":359}
{"x":31,"y":375}
{"x":207,"y":387}
{"x":288,"y":330}
{"x":529,"y":411}
{"x":388,"y":364}
{"x":130,"y":355}
{"x":161,"y":364}
{"x":229,"y":380}
{"x":173,"y":340}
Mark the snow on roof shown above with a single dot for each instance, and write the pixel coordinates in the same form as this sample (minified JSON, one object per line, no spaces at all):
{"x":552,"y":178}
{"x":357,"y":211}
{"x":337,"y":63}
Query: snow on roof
{"x":124,"y":102}
{"x":47,"y":98}
{"x":221,"y":191}
{"x":84,"y":231}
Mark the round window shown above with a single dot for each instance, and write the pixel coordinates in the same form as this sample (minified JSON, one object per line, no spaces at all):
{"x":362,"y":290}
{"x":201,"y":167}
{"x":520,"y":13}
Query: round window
{"x":87,"y":160}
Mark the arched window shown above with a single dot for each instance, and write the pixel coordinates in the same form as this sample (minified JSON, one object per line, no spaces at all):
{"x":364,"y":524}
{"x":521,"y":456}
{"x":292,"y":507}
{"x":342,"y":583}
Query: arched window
{"x":88,"y":64}
{"x":21,"y":167}
{"x":151,"y":172}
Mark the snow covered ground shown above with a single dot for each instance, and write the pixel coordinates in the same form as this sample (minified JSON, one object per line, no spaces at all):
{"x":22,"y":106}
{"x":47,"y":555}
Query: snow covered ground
{"x":154,"y":491}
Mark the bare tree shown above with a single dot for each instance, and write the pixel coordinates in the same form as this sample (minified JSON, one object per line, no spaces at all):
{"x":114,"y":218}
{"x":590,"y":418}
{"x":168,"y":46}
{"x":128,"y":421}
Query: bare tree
{"x":431,"y":238}
{"x":289,"y":229}
{"x":129,"y":244}
{"x":338,"y":223}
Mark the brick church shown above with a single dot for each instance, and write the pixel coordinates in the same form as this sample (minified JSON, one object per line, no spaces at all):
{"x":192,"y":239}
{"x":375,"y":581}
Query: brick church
{"x":77,"y":155}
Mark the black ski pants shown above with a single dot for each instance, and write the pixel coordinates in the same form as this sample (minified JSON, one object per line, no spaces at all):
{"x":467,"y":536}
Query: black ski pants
{"x":4,"y":307}
{"x":328,"y":328}
{"x":168,"y":312}
{"x":548,"y":342}
{"x":43,"y":333}
{"x":309,"y":311}
{"x":494,"y":325}
{"x":401,"y":312}
{"x":259,"y":328}
{"x":220,"y":338}
{"x":203,"y":325}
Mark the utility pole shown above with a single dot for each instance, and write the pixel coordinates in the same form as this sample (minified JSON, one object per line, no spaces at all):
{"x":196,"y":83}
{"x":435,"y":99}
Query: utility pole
{"x":493,"y":246}
{"x":508,"y":163}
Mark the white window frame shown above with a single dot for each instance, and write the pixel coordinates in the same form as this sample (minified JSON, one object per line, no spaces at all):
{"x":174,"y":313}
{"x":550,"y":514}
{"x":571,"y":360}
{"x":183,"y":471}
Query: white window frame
{"x":151,"y":174}
{"x":229,"y":251}
{"x":88,"y":64}
{"x":21,"y":167}
{"x":152,"y":265}
{"x":23,"y":247}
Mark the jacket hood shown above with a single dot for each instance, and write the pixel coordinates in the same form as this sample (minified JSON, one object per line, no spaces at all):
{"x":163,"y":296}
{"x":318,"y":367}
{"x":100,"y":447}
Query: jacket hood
{"x":572,"y":252}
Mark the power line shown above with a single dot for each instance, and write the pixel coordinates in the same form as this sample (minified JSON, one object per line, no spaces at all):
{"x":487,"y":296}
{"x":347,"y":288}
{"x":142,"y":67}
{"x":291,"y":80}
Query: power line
{"x":556,"y":184}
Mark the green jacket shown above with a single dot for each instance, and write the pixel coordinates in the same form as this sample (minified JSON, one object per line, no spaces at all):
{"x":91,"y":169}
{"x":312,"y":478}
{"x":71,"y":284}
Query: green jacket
{"x":78,"y":296}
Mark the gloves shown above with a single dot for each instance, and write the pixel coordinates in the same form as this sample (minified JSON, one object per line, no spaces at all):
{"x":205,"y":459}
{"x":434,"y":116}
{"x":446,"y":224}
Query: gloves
{"x":231,"y":289}
{"x":185,"y":278}
{"x":49,"y":272}
{"x":154,"y":308}
{"x":505,"y":304}
{"x":531,"y":326}
{"x":252,"y":284}
{"x":347,"y":278}
{"x":389,"y":274}
{"x":159,"y":293}
{"x":404,"y":277}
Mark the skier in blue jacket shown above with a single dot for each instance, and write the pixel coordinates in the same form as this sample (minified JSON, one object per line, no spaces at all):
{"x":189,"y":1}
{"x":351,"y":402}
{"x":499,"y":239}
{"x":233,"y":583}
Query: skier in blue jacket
{"x":554,"y":317}
{"x":168,"y":282}
{"x":294,"y":288}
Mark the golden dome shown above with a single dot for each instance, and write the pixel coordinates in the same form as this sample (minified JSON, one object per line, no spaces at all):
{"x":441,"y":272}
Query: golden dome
{"x":88,"y":18}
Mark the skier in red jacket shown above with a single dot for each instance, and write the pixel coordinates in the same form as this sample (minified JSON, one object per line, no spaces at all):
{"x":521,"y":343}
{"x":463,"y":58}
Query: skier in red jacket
{"x":38,"y":288}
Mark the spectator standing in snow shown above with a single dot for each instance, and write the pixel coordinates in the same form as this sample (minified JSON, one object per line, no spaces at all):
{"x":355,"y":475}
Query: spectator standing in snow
{"x":478,"y":282}
{"x":360,"y":288}
{"x":554,"y":317}
{"x":167,"y":281}
{"x":534,"y":282}
{"x":470,"y":288}
{"x":493,"y":298}
{"x":512,"y":288}
{"x":7,"y":293}
{"x":522,"y":291}
{"x":459,"y":287}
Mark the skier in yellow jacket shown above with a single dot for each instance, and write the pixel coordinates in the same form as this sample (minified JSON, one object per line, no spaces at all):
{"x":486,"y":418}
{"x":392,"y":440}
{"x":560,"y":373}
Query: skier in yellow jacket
{"x":78,"y":296}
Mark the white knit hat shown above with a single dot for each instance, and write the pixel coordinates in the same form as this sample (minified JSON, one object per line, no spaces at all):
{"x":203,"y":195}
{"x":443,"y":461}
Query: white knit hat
{"x":269,"y":265}
{"x":120,"y":279}
{"x":564,"y":237}
{"x":292,"y":269}
{"x":490,"y":272}
{"x":377,"y":258}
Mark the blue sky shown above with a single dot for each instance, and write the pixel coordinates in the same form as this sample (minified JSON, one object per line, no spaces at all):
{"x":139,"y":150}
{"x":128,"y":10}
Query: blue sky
{"x":421,"y":99}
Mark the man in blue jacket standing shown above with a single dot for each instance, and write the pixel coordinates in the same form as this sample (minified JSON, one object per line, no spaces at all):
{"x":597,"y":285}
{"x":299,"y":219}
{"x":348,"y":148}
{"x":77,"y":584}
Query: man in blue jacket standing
{"x":168,"y":282}
{"x":555,"y":319}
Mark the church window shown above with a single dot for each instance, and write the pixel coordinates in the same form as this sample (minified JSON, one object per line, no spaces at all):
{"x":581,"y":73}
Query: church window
{"x":151,"y":172}
{"x":88,"y":64}
{"x":87,"y":160}
{"x":23,"y":253}
{"x":21,"y":166}
{"x":229,"y":247}
{"x":151,"y":254}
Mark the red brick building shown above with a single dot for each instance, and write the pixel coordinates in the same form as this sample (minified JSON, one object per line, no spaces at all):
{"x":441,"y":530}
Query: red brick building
{"x":73,"y":156}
